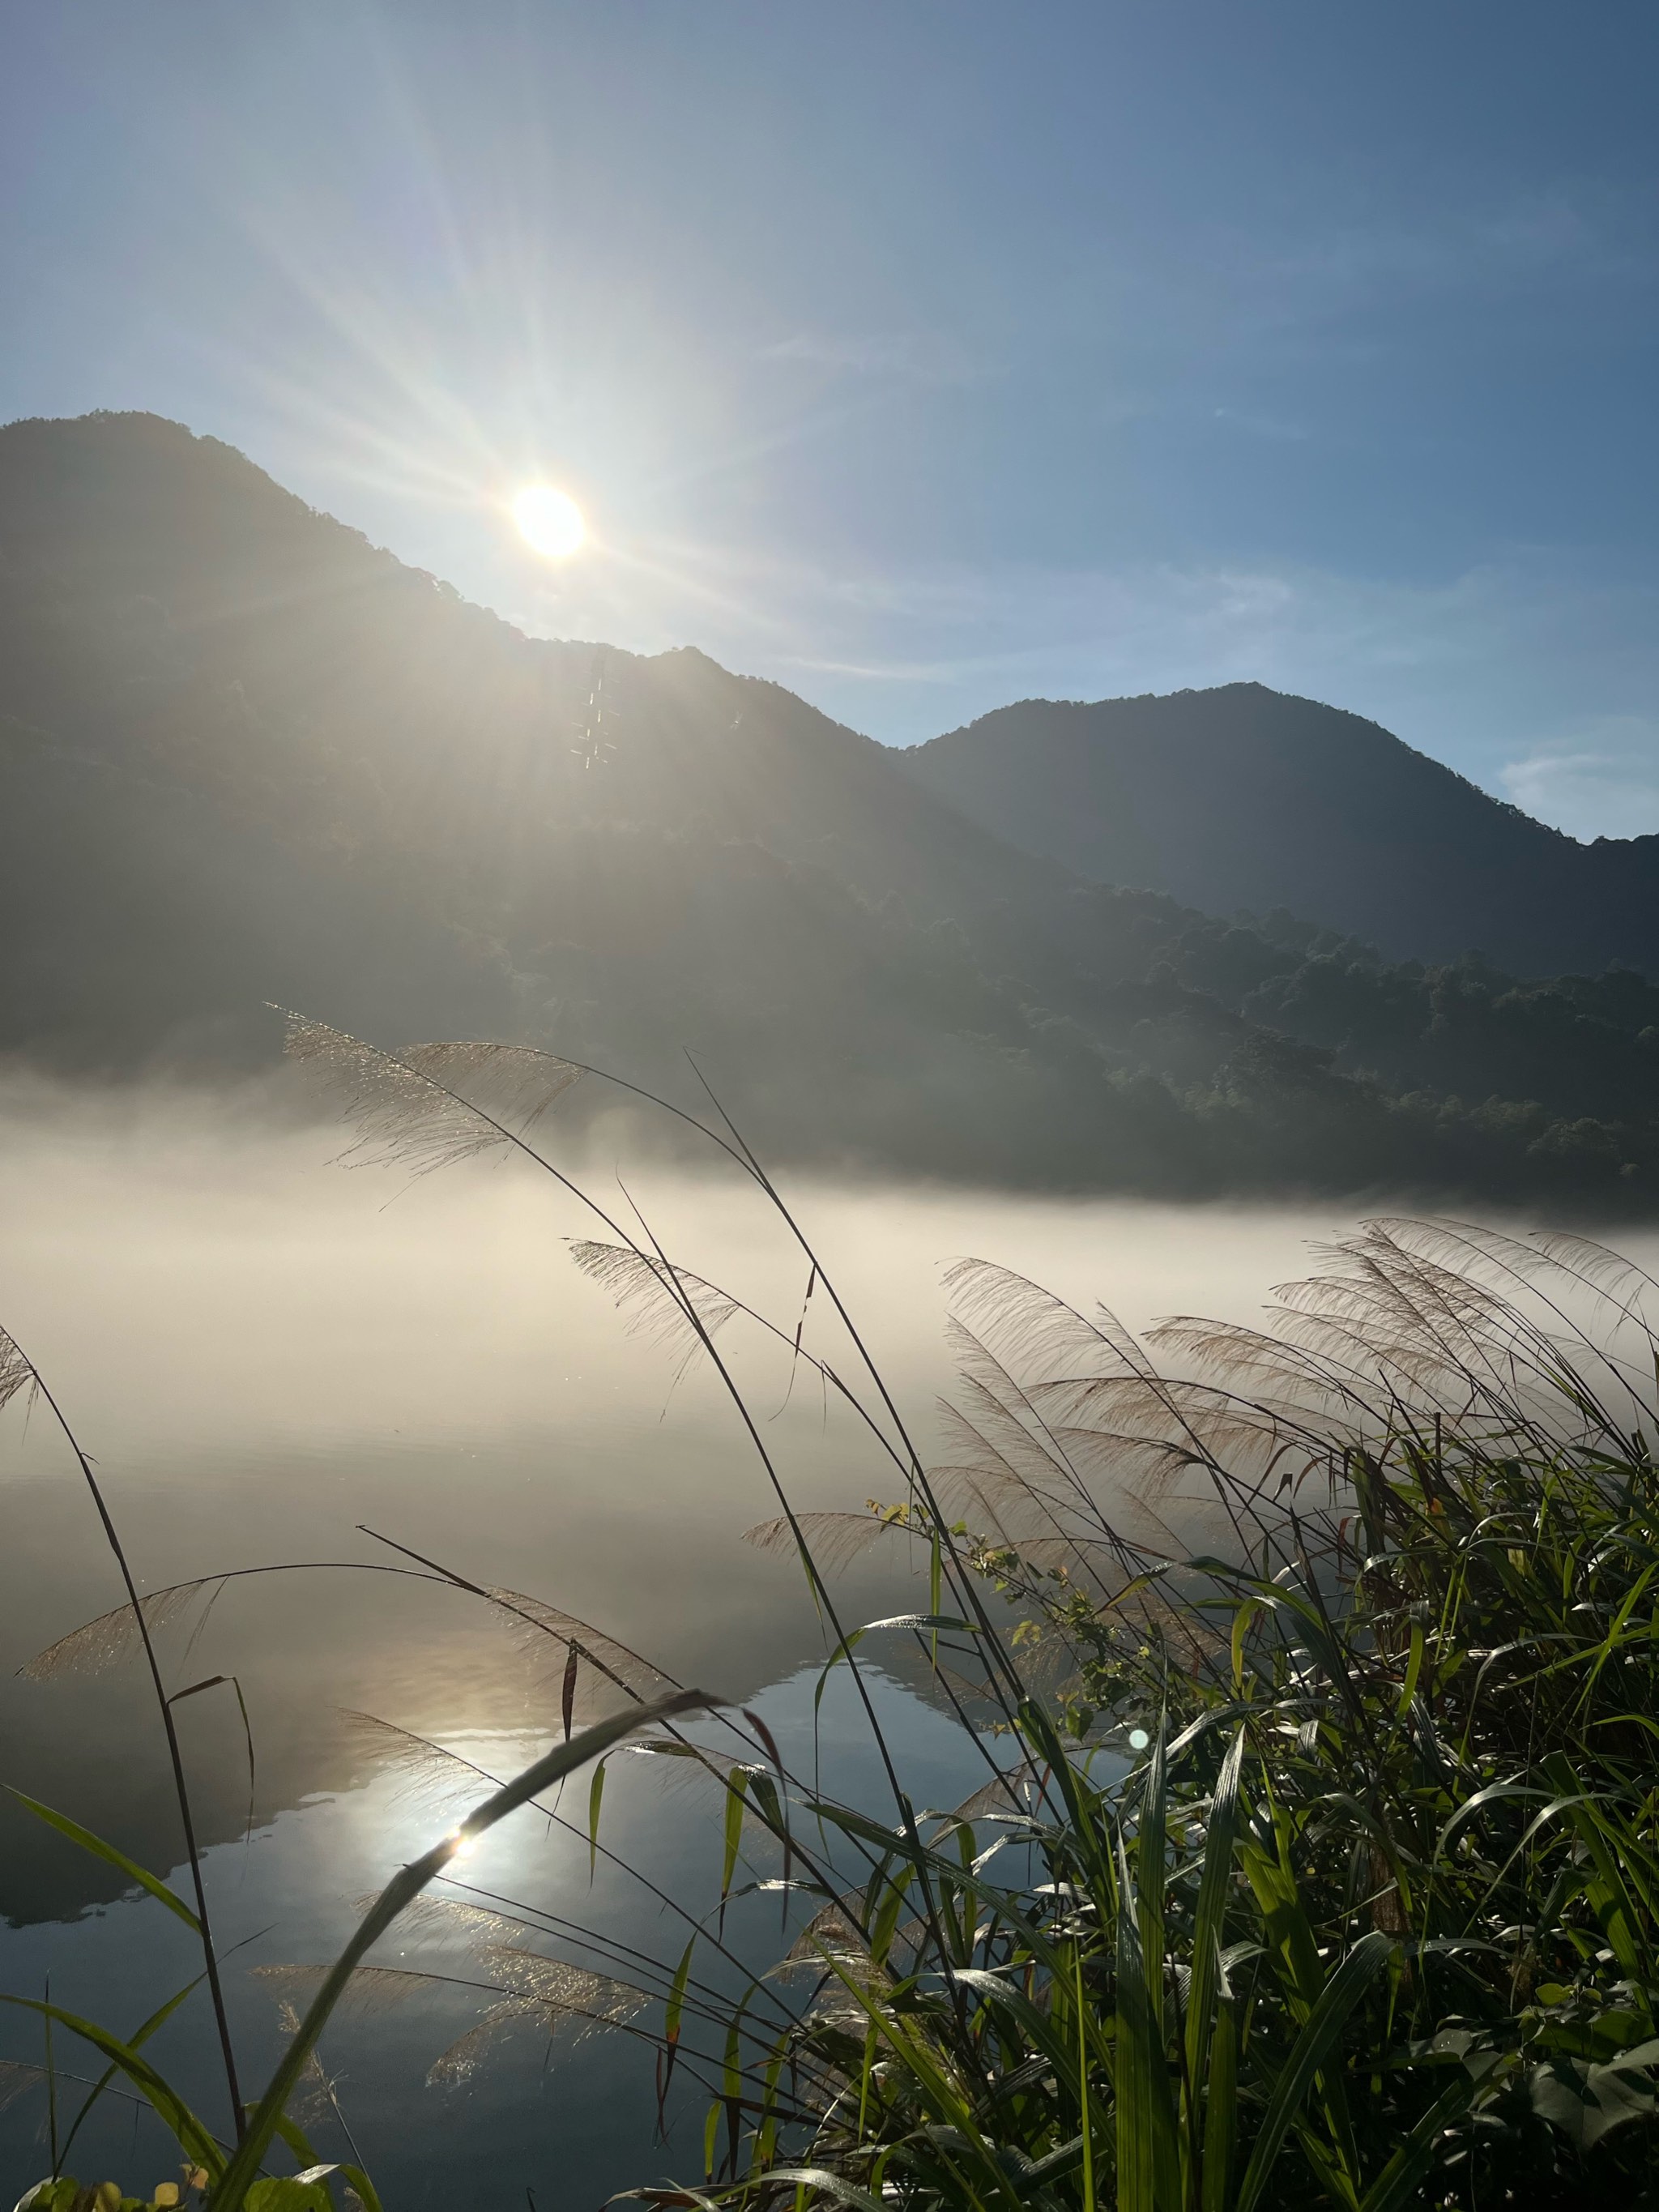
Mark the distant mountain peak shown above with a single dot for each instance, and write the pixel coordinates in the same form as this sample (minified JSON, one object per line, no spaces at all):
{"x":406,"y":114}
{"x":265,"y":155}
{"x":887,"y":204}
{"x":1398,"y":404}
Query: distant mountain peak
{"x":1240,"y":797}
{"x":245,"y":755}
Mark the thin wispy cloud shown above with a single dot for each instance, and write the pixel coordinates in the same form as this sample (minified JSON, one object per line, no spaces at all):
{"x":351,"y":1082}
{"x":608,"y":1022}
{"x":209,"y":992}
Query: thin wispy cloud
{"x":1586,"y":236}
{"x":913,"y":357}
{"x":1602,"y":781}
{"x":1470,"y":668}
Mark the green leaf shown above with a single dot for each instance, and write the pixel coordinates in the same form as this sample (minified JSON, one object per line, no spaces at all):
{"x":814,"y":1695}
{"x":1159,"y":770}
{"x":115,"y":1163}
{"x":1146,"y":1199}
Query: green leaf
{"x":775,"y":1812}
{"x":1056,"y":2165}
{"x":850,"y":1642}
{"x":100,"y":1850}
{"x":240,"y":2174}
{"x":737,"y":1788}
{"x":1040,"y":2026}
{"x":676,"y":1995}
{"x":1145,"y":2113}
{"x":710,"y":2137}
{"x":139,"y":2037}
{"x":1414,"y":1668}
{"x":1245,"y":1614}
{"x":1209,"y":1926}
{"x":831,"y":2185}
{"x":1395,"y":2186}
{"x":1309,"y":2055}
{"x":289,"y":2193}
{"x":1151,"y":1854}
{"x":191,"y":2133}
{"x":50,"y":2196}
{"x":1587,"y":2102}
{"x":291,"y":2131}
{"x":595,"y":1797}
{"x":894,"y":1888}
{"x":1085,"y":2102}
{"x":1221,"y":2110}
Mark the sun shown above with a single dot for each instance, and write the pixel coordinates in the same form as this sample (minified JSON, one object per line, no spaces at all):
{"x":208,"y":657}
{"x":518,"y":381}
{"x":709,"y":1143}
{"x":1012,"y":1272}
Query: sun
{"x":550,"y":521}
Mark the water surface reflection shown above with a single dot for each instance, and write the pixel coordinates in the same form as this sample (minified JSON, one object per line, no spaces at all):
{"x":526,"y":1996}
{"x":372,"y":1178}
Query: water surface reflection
{"x":262,"y":1352}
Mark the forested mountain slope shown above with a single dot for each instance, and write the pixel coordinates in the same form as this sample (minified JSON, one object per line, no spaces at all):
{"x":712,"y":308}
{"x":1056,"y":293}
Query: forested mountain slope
{"x":244,"y":755}
{"x":1244,"y":797}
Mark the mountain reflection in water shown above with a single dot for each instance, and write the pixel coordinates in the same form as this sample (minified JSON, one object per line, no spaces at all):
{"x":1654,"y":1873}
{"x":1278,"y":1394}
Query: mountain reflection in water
{"x":262,"y":1352}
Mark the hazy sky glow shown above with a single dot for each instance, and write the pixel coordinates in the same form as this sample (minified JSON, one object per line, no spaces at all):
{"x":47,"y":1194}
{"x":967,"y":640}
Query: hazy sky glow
{"x":923,"y":358}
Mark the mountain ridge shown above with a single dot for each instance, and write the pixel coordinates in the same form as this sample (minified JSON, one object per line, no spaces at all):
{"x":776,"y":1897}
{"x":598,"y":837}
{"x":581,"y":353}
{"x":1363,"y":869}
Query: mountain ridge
{"x":1241,"y":797}
{"x":245,"y":755}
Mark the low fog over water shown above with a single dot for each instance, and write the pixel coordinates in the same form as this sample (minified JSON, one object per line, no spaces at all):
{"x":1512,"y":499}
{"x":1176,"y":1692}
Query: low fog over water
{"x":262,"y":1351}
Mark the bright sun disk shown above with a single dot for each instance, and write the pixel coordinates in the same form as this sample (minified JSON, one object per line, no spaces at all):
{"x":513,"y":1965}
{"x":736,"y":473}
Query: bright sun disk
{"x":550,"y":521}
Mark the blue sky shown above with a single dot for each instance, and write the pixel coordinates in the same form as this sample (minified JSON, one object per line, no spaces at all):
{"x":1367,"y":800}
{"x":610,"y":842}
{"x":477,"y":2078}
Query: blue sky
{"x":922,"y":354}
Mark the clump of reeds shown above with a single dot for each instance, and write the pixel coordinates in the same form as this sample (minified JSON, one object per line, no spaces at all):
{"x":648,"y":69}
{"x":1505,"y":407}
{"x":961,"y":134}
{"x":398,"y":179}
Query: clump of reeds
{"x":1315,"y":1678}
{"x":1371,"y":1920}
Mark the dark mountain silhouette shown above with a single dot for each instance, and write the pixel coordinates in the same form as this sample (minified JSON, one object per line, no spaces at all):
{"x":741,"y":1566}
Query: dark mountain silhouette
{"x":248,"y":757}
{"x":1243,"y":797}
{"x":244,"y":755}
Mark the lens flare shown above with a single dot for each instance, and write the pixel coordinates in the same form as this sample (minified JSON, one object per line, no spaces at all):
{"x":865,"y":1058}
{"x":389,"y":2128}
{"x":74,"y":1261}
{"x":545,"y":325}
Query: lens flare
{"x":550,"y":521}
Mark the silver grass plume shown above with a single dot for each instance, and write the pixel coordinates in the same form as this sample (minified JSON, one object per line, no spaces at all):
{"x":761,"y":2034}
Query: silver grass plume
{"x":17,"y":2075}
{"x":1064,"y":1419}
{"x":551,"y":1639}
{"x":832,"y":1933}
{"x":556,"y":1995}
{"x":1031,"y":1326}
{"x":425,"y":1770}
{"x":113,"y":1636}
{"x":372,"y":1990}
{"x":658,"y":1298}
{"x":452,"y":1919}
{"x":835,"y":1539}
{"x":525,"y":1985}
{"x":404,"y":1106}
{"x":17,"y":1370}
{"x":315,"y":2100}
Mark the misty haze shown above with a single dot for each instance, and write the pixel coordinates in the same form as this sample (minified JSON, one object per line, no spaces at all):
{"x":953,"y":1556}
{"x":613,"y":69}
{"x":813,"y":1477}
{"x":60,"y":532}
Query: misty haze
{"x":262,"y":1349}
{"x":829,"y":1108}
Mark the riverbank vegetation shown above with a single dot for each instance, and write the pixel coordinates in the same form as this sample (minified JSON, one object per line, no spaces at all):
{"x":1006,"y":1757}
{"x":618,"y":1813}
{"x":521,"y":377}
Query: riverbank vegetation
{"x":1309,"y":1678}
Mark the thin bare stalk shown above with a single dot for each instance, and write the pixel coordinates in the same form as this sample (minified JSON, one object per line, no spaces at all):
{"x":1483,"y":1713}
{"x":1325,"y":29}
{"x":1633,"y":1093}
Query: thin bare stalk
{"x":175,"y":1755}
{"x":402,"y":1890}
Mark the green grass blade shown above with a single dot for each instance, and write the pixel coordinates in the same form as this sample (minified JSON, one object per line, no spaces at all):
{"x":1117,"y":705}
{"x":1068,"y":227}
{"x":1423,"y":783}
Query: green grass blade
{"x":231,"y":2194}
{"x":1145,"y":2113}
{"x":831,"y":2185}
{"x":1220,"y":2112}
{"x":1313,"y":2047}
{"x":193,"y":2134}
{"x":1084,"y":2118}
{"x":1210,"y":1918}
{"x":139,"y":2037}
{"x":100,"y":1850}
{"x":737,"y":1790}
{"x":1396,"y":2187}
{"x":595,"y":1799}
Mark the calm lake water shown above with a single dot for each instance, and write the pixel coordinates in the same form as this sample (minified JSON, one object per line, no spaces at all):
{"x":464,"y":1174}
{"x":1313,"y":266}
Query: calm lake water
{"x":262,"y":1351}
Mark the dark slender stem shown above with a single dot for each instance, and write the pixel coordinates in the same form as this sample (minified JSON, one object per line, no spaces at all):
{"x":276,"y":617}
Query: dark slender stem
{"x":659,"y":1265}
{"x":52,"y":2085}
{"x":401,"y":1891}
{"x":962,"y":1579}
{"x":662,"y":1268}
{"x":558,"y":1820}
{"x":181,"y":1787}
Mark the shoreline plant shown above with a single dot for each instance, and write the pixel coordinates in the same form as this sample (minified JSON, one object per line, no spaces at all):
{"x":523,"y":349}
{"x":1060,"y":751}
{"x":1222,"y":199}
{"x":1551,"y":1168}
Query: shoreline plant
{"x":1313,"y":1673}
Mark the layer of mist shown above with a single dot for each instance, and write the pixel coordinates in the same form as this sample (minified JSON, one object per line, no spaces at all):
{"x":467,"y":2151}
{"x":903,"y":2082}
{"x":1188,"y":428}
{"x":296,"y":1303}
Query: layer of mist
{"x":262,"y":1350}
{"x":265,"y":1351}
